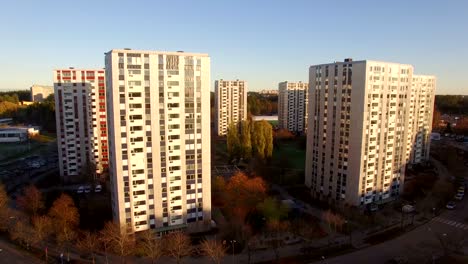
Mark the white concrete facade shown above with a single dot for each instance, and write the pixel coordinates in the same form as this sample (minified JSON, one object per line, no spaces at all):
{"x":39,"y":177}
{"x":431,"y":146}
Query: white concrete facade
{"x":292,"y":106}
{"x":420,"y":118}
{"x":40,"y":92}
{"x":159,"y":129}
{"x":359,"y":134}
{"x":230,"y":104}
{"x":80,"y":111}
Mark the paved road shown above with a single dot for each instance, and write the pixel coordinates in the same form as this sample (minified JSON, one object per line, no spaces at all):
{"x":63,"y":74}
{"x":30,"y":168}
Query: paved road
{"x":420,"y":244}
{"x":9,"y":254}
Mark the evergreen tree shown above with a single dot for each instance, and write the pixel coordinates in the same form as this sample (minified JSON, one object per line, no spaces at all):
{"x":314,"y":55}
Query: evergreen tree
{"x":258,"y":140}
{"x":268,"y":135}
{"x":233,"y":143}
{"x":245,"y":140}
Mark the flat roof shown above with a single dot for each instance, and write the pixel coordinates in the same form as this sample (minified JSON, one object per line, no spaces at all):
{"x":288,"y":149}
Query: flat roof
{"x":360,"y":61}
{"x":158,"y":52}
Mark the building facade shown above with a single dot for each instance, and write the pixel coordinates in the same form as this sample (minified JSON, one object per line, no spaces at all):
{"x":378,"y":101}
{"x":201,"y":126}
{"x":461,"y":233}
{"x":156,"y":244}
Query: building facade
{"x":292,"y":106}
{"x":420,"y":118}
{"x":268,"y":92}
{"x":159,"y":129}
{"x":361,"y":129}
{"x":230,"y":104}
{"x":81,"y":117}
{"x":40,"y":92}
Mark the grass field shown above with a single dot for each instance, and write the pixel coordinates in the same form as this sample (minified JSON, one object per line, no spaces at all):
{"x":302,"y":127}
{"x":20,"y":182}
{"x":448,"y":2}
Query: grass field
{"x":292,"y":152}
{"x":10,"y":151}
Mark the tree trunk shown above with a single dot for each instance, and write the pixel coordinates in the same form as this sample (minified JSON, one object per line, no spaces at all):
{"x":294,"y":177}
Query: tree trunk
{"x":105,"y":252}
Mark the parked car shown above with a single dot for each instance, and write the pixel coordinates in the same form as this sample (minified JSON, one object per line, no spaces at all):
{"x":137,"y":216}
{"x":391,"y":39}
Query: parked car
{"x":98,"y":188}
{"x":459,"y":196}
{"x":87,"y":189}
{"x":461,"y":189}
{"x":451,"y":205}
{"x":80,"y":189}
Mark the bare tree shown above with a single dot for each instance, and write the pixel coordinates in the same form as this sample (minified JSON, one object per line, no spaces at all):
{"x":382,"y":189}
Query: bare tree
{"x":276,"y":229}
{"x":65,"y":219}
{"x":31,"y":202}
{"x":119,"y":240}
{"x":178,"y":245}
{"x":89,"y":243}
{"x":213,"y":249}
{"x":150,"y":245}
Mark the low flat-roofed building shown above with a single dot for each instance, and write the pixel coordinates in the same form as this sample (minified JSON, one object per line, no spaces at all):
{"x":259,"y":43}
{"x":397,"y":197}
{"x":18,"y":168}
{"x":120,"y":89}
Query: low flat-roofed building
{"x":16,"y":134}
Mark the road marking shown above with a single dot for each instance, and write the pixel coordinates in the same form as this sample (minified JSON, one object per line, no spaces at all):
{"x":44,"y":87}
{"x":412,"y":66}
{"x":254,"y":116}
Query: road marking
{"x":451,"y":223}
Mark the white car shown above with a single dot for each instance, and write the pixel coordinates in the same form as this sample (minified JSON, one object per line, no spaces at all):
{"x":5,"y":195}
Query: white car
{"x":87,"y":189}
{"x":451,"y":205}
{"x":458,"y":196}
{"x":80,"y":189}
{"x":98,"y":188}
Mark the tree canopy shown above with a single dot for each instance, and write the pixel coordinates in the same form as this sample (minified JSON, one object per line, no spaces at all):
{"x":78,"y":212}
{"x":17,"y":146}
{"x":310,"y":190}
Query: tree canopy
{"x":258,"y":104}
{"x":452,"y":104}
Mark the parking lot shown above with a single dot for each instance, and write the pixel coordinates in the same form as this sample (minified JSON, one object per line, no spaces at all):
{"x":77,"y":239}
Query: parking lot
{"x":14,"y":174}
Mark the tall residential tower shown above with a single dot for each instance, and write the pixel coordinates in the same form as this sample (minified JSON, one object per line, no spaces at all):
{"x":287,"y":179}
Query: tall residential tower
{"x":230,"y":104}
{"x":80,"y":111}
{"x":366,"y":118}
{"x":292,"y":106}
{"x":159,"y":130}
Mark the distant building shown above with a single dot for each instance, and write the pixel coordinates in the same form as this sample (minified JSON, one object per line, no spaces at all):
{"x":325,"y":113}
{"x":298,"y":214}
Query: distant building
{"x":367,"y":121}
{"x":81,"y":117}
{"x":272,"y":118}
{"x":292,"y":106}
{"x":40,"y":92}
{"x":269,"y":92}
{"x":26,"y":103}
{"x":17,"y":134}
{"x":230,"y":104}
{"x":6,"y":121}
{"x":421,"y":112}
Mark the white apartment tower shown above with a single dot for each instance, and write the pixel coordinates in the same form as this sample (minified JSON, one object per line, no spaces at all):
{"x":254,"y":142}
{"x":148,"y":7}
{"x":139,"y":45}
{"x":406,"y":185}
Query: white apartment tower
{"x":367,"y":119}
{"x":40,"y":92}
{"x":292,"y":106}
{"x":230,"y":104}
{"x":420,"y":118}
{"x":80,"y":111}
{"x":159,"y":130}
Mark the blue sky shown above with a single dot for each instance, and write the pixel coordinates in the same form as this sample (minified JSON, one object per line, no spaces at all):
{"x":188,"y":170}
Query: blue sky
{"x":263,"y":42}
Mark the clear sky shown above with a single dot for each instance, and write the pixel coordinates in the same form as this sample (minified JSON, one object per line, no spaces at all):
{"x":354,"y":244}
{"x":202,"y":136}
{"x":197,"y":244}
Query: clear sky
{"x":262,"y":42}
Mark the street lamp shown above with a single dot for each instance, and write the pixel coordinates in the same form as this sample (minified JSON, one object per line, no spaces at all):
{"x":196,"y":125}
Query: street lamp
{"x":348,"y":229}
{"x":232,"y":244}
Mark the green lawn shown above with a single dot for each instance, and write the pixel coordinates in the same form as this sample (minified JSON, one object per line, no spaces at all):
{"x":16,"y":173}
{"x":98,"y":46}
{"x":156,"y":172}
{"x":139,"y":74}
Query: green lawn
{"x":11,"y":151}
{"x":291,"y":151}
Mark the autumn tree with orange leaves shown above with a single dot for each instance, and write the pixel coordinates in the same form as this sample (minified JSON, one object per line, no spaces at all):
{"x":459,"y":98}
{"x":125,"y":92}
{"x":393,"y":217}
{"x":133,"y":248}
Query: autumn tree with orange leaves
{"x":243,"y":194}
{"x":31,"y":202}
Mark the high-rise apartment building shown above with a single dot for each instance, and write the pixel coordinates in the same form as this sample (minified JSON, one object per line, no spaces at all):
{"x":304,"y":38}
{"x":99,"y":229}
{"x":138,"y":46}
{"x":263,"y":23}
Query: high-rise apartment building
{"x":80,"y":111}
{"x":40,"y":92}
{"x":292,"y":106}
{"x":420,"y":118}
{"x":363,"y":129}
{"x":159,"y":131}
{"x":230,"y":104}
